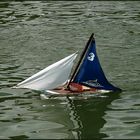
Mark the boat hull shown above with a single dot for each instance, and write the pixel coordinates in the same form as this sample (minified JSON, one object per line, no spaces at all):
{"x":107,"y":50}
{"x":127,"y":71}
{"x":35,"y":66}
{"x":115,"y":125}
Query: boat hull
{"x":68,"y":92}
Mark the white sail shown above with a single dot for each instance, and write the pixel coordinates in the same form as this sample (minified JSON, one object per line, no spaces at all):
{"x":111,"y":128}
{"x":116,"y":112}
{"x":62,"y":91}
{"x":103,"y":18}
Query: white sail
{"x":52,"y":76}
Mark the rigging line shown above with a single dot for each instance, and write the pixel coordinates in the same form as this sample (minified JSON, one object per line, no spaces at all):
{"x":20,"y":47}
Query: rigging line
{"x":89,"y":12}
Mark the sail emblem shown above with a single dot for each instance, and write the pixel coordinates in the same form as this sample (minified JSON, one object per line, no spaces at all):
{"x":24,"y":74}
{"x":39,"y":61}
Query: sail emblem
{"x":93,"y":83}
{"x":91,"y":56}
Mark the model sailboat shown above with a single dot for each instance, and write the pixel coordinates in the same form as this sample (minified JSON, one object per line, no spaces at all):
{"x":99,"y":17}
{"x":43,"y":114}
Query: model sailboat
{"x":88,"y":75}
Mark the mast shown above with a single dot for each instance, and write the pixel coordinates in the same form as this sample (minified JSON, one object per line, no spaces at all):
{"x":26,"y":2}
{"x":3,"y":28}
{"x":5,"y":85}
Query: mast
{"x":81,"y":58}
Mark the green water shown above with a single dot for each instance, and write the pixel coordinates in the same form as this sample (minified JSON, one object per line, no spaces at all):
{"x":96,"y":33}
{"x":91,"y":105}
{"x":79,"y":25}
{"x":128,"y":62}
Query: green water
{"x":34,"y":34}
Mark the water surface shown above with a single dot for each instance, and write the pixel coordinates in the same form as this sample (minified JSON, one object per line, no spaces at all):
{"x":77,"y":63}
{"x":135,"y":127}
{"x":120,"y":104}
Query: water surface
{"x":34,"y":34}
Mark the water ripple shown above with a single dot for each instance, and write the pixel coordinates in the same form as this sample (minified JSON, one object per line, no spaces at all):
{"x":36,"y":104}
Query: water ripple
{"x":34,"y":34}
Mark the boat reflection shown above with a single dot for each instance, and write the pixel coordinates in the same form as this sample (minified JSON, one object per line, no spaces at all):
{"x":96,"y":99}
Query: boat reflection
{"x":88,"y":115}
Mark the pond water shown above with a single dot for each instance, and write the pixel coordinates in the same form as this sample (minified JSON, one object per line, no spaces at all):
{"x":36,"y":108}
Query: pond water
{"x":34,"y":34}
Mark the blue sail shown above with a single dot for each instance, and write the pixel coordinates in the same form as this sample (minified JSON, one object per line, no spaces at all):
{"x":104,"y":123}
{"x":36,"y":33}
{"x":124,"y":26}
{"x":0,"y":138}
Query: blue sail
{"x":90,"y":72}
